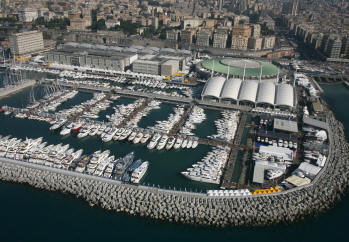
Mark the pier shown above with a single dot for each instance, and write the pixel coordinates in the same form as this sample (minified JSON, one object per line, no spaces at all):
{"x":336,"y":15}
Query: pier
{"x":134,"y":112}
{"x":229,"y":168}
{"x":181,"y":122}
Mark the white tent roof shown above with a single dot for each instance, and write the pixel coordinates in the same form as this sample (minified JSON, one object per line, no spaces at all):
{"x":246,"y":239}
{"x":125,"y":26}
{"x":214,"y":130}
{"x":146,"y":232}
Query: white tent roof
{"x":248,"y":91}
{"x":214,"y":87}
{"x":284,"y":95}
{"x":266,"y":93}
{"x":231,"y":89}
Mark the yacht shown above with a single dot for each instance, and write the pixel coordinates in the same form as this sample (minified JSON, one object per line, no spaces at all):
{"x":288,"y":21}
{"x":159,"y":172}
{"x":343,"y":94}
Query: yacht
{"x":122,"y":165}
{"x":272,"y":174}
{"x":138,"y":138}
{"x":139,"y":173}
{"x":170,"y":143}
{"x":153,"y":142}
{"x":108,"y":136}
{"x":145,"y":138}
{"x":190,"y":143}
{"x":125,"y":134}
{"x":195,"y":143}
{"x":66,"y":129}
{"x":185,"y":143}
{"x":132,"y":136}
{"x":178,"y":143}
{"x":58,"y":124}
{"x":162,"y":142}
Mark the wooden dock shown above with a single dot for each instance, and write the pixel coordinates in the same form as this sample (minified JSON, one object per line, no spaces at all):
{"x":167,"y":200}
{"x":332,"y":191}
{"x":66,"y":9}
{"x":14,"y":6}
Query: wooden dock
{"x":134,"y":113}
{"x":180,"y":123}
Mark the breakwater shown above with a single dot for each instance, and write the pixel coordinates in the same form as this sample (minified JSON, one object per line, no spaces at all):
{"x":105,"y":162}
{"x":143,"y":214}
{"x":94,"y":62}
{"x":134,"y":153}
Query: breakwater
{"x":196,"y":208}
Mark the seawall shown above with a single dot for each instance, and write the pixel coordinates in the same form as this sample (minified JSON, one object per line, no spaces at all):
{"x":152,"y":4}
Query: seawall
{"x":196,"y":208}
{"x":10,"y":90}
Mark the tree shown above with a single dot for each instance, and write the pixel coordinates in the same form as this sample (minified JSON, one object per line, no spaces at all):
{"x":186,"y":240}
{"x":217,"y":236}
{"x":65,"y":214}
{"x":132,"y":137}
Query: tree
{"x":149,"y":32}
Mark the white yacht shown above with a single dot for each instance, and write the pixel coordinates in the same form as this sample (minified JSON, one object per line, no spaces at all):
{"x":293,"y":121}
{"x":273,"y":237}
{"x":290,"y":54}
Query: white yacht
{"x":190,"y":143}
{"x":170,"y":143}
{"x":145,"y":138}
{"x":185,"y":143}
{"x":139,"y":172}
{"x":272,"y":174}
{"x":138,"y":138}
{"x":195,"y":143}
{"x":162,"y":142}
{"x":66,"y":129}
{"x":125,"y":134}
{"x":153,"y":142}
{"x":132,"y":136}
{"x":178,"y":143}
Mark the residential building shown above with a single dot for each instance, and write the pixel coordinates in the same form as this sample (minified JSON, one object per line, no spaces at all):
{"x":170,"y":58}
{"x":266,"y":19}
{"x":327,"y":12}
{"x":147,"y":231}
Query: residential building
{"x":78,"y":24}
{"x":239,"y":42}
{"x":203,"y":38}
{"x":334,"y":47}
{"x":220,"y":39}
{"x":255,"y":30}
{"x":26,"y":43}
{"x":27,"y":15}
{"x":268,"y":42}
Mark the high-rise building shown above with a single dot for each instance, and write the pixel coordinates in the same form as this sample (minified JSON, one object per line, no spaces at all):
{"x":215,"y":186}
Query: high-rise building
{"x":220,"y":39}
{"x":220,"y":5}
{"x":345,"y":46}
{"x":26,"y":43}
{"x":203,"y":38}
{"x":239,"y":42}
{"x":155,"y":22}
{"x":186,"y":38}
{"x":334,"y":47}
{"x":256,"y":30}
{"x":27,"y":15}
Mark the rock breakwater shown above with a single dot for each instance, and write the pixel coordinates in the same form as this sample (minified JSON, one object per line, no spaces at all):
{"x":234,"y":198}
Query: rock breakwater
{"x":189,"y":208}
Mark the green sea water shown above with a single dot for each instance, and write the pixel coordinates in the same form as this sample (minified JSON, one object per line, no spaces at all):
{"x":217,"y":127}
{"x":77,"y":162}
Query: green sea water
{"x":29,"y":214}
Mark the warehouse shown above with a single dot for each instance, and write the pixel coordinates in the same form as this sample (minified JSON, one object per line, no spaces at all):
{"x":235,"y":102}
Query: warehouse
{"x":249,"y":92}
{"x":153,"y":60}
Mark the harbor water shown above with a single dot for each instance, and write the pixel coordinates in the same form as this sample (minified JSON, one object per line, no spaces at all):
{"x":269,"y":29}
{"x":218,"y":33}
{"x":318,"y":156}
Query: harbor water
{"x":30,"y":214}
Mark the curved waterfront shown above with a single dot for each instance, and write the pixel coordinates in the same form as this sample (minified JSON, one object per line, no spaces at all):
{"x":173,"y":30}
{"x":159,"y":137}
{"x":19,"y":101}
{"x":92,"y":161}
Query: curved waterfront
{"x":226,"y":232}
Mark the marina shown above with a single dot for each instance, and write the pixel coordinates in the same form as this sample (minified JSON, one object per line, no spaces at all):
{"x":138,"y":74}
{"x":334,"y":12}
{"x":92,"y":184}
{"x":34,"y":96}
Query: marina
{"x":152,"y":140}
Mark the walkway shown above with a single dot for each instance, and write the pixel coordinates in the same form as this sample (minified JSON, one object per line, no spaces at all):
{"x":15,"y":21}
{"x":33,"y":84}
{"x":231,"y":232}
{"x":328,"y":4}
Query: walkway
{"x":229,"y":168}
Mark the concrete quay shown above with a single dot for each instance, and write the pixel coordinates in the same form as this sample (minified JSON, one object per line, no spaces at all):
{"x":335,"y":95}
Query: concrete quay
{"x":13,"y":89}
{"x":160,"y":97}
{"x":196,"y":208}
